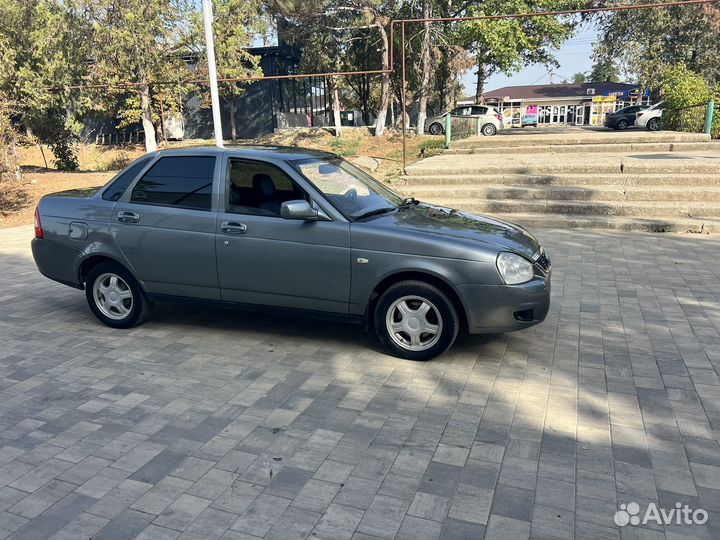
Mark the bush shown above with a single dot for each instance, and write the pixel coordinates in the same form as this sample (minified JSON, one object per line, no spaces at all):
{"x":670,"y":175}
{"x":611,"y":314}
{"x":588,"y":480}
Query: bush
{"x":686,"y":95}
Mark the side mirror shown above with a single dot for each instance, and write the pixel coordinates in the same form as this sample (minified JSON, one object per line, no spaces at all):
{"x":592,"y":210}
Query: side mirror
{"x":301,"y":209}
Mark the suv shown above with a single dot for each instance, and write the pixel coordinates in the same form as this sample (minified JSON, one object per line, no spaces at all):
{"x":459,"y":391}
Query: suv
{"x":491,"y":120}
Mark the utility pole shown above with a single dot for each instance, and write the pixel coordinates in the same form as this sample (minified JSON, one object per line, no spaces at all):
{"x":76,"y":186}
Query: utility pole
{"x":212,"y":71}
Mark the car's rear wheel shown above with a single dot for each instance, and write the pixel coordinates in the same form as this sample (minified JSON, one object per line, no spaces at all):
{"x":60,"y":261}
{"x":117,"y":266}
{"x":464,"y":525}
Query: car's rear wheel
{"x":654,"y":124}
{"x":115,"y":297}
{"x":622,"y":124}
{"x":416,"y":320}
{"x":435,"y":129}
{"x":489,"y":130}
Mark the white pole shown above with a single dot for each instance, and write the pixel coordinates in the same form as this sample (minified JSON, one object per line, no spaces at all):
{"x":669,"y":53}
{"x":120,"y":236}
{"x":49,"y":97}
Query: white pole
{"x":212,"y":71}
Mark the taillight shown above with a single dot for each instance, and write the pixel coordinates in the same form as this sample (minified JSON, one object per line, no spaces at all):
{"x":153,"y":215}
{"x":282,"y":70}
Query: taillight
{"x":639,"y":115}
{"x":38,"y":225}
{"x":499,"y":118}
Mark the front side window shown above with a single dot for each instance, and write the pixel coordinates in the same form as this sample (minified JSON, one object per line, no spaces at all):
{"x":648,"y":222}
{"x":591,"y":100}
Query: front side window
{"x":352,"y":192}
{"x":259,"y":188}
{"x":120,"y":183}
{"x":179,"y":181}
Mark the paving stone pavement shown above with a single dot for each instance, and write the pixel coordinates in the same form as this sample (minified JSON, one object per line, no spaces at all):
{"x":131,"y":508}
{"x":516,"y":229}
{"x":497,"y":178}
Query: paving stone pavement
{"x":222,"y":424}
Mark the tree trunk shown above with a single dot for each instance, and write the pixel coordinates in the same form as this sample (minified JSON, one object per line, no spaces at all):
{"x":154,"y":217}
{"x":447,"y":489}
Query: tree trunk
{"x":335,"y":96}
{"x":385,"y":84}
{"x":481,"y":79}
{"x":147,"y":123}
{"x":233,"y":120}
{"x":425,"y":71}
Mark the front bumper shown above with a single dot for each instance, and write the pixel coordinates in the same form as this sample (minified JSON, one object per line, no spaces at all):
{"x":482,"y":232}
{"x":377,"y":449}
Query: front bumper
{"x":504,"y":308}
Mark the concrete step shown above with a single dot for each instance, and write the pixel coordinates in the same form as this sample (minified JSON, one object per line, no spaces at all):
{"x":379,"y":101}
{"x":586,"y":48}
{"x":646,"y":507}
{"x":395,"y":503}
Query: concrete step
{"x":561,"y":179}
{"x":641,"y":209}
{"x":596,"y":148}
{"x":577,"y":137}
{"x":471,"y":193}
{"x":667,"y":163}
{"x":678,"y":225}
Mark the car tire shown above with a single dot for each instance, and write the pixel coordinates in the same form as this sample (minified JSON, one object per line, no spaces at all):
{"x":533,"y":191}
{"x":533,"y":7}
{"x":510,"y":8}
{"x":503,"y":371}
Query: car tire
{"x":435,"y":129}
{"x":115,"y":297}
{"x":488,"y":130}
{"x":400,"y":329}
{"x":621,"y":125}
{"x":654,"y":124}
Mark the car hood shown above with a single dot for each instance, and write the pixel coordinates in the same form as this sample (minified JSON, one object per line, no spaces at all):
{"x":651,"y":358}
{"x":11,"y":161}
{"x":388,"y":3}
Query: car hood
{"x":441,"y":221}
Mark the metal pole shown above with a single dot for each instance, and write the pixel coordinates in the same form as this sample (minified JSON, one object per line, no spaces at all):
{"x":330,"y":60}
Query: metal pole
{"x":403,"y":100}
{"x":709,"y":117}
{"x":448,"y":129}
{"x":212,"y":72}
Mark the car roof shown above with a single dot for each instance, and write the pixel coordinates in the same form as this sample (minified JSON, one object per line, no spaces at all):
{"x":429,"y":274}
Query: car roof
{"x":281,"y":153}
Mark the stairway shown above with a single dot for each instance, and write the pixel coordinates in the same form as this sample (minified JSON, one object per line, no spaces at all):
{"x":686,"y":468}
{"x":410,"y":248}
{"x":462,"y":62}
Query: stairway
{"x":634,"y":180}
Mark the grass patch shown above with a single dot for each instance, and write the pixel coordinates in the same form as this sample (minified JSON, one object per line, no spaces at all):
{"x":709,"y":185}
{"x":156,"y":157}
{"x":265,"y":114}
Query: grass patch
{"x":345,"y":147}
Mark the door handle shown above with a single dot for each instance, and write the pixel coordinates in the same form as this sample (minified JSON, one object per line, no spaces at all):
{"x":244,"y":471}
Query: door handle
{"x":128,"y":217}
{"x":232,"y":227}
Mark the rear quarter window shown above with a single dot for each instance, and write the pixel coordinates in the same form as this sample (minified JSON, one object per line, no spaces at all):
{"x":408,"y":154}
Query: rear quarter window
{"x":182,"y":181}
{"x":121,"y":182}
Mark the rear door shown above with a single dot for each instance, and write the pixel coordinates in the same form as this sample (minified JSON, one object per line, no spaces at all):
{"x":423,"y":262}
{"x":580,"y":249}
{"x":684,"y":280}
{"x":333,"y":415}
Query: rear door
{"x":267,"y":260}
{"x":165,"y":226}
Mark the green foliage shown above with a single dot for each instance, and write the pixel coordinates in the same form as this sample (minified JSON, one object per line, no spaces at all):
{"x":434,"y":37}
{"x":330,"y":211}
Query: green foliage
{"x":432,"y":147}
{"x":579,"y":78}
{"x":43,"y":45}
{"x":508,"y":45}
{"x":344,"y":146}
{"x":686,"y":95}
{"x":647,"y":41}
{"x":604,"y":70}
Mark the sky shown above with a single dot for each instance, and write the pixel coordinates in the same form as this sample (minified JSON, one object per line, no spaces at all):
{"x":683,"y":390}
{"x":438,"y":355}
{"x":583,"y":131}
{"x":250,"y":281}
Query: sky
{"x":574,"y":56}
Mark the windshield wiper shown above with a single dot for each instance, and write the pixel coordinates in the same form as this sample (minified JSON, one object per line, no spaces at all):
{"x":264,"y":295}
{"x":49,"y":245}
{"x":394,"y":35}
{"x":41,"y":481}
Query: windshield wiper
{"x":376,"y":212}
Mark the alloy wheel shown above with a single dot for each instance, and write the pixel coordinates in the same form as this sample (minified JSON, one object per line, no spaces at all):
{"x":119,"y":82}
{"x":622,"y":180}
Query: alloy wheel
{"x":113,"y":296}
{"x":414,"y":323}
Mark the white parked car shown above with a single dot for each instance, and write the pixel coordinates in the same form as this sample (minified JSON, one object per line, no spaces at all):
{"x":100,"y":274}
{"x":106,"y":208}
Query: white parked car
{"x":491,"y":120}
{"x":650,"y":118}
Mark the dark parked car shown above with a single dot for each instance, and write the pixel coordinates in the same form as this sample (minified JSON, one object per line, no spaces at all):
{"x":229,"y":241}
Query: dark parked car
{"x":292,"y":229}
{"x":623,"y":118}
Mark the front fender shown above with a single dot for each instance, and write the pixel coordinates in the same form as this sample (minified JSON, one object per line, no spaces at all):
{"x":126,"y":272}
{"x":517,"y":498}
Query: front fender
{"x":380,"y":266}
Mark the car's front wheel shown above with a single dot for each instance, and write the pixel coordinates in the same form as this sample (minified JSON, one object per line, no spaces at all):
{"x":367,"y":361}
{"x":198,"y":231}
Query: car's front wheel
{"x":416,"y":320}
{"x":115,"y":297}
{"x":654,"y":124}
{"x":435,"y":129}
{"x":489,"y":130}
{"x":622,"y":124}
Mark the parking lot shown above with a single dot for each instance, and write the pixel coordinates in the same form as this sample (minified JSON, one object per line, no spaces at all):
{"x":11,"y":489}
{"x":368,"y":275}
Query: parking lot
{"x":208,"y":423}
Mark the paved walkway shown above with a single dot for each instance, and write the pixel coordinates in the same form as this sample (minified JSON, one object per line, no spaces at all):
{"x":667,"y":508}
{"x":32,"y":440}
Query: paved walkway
{"x":208,"y":424}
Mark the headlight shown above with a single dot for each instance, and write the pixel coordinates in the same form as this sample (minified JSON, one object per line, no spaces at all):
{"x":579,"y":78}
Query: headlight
{"x":514,"y":269}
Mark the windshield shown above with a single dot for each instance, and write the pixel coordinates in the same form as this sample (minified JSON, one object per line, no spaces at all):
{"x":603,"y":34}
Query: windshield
{"x":352,"y":192}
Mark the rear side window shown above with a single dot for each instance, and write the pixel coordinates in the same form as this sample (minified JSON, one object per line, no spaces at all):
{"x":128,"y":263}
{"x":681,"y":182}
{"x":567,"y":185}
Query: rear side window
{"x":182,"y":181}
{"x":479,"y":110}
{"x":124,"y":179}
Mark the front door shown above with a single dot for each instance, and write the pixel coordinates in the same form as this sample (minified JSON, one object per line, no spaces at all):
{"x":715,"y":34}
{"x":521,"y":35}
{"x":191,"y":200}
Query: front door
{"x":579,"y":115}
{"x":265,"y":259}
{"x":165,"y":227}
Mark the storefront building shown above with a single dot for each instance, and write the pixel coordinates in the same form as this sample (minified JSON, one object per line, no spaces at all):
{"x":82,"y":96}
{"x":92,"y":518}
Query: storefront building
{"x":561,"y":104}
